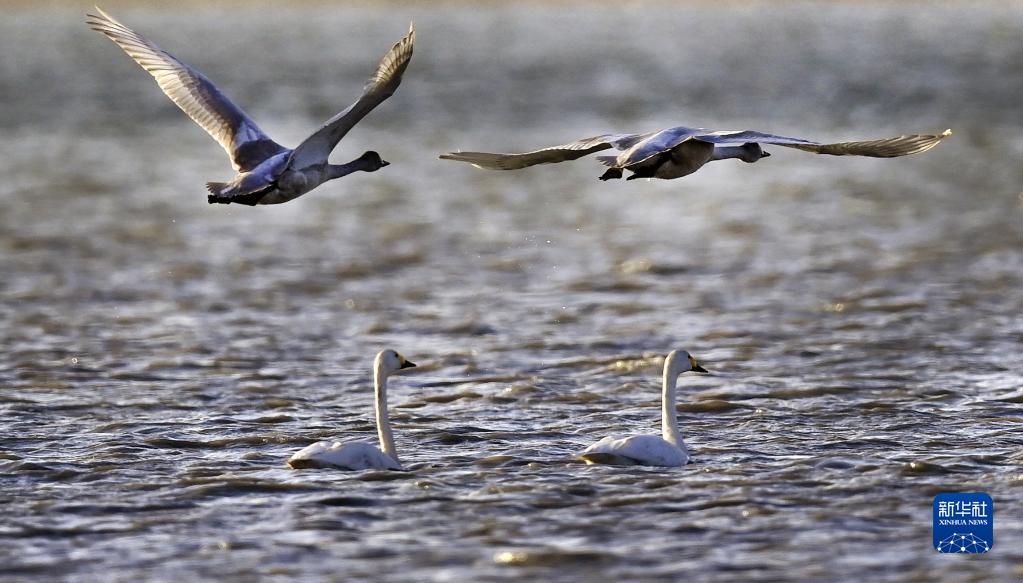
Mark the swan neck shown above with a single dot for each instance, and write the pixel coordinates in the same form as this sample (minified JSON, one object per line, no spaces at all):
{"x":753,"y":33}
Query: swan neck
{"x":669,"y":416}
{"x":726,"y":152}
{"x":383,"y":421}
{"x":339,"y":170}
{"x":749,"y":152}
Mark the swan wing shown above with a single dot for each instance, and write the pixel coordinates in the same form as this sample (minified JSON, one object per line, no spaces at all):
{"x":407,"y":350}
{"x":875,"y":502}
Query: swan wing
{"x":646,"y":450}
{"x":316,"y":148}
{"x":551,"y":155}
{"x":244,"y":142}
{"x":884,"y":148}
{"x":358,"y":455}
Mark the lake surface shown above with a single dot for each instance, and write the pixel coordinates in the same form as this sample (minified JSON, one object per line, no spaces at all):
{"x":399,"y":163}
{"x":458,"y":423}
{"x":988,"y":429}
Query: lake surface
{"x":161,"y":357}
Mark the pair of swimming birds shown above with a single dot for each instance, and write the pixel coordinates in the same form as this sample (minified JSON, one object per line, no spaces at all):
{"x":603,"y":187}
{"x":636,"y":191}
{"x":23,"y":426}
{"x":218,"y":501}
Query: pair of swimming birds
{"x":665,"y":450}
{"x":269,"y":173}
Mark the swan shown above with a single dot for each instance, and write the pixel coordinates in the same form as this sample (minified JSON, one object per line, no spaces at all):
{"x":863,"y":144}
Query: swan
{"x":680,"y":151}
{"x":668,"y":450}
{"x":361,"y":455}
{"x":267,"y":172}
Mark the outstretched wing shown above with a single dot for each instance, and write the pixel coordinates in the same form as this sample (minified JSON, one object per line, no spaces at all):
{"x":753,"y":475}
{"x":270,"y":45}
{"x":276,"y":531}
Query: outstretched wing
{"x":244,"y":142}
{"x":885,"y":148}
{"x":316,"y":148}
{"x":551,"y":155}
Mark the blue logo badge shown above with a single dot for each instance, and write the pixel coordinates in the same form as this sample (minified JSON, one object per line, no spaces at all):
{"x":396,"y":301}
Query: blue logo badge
{"x":964,"y":522}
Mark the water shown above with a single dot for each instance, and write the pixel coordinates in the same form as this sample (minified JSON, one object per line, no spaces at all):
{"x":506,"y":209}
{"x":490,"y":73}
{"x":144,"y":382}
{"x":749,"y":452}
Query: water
{"x":162,"y":357}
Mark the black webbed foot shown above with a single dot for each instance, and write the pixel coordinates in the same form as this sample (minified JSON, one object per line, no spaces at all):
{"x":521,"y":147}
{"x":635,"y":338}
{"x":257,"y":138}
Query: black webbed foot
{"x":612,"y":173}
{"x":251,"y":199}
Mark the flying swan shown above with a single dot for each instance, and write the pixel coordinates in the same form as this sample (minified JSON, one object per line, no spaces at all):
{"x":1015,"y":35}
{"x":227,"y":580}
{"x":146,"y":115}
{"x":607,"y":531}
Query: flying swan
{"x":680,"y":151}
{"x":668,"y":450}
{"x":361,"y":455}
{"x":267,"y":172}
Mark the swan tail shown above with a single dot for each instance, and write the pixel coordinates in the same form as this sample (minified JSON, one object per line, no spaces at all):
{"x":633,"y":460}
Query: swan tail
{"x":304,"y":464}
{"x":215,"y":187}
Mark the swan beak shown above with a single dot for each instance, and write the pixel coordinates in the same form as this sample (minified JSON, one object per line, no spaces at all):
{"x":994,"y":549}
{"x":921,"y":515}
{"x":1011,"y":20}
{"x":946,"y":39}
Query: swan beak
{"x":382,"y":164}
{"x":765,"y":154}
{"x":408,"y":364}
{"x":695,"y":366}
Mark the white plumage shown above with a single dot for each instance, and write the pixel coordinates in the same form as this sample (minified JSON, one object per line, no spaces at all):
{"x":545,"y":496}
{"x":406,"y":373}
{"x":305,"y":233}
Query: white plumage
{"x":361,"y":455}
{"x":668,"y":449}
{"x":355,"y":455}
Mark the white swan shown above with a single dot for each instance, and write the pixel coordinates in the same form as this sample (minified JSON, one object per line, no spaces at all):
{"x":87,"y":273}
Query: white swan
{"x":267,"y":172}
{"x":680,"y":151}
{"x":650,"y":450}
{"x":361,"y":455}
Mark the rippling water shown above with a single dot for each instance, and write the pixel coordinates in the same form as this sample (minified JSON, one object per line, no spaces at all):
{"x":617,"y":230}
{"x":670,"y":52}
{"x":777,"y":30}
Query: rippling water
{"x":162,"y":358}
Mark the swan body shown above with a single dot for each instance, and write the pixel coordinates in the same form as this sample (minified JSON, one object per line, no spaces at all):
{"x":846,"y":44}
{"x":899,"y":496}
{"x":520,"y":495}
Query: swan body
{"x":667,"y":449}
{"x":267,"y":172}
{"x":680,"y":151}
{"x":355,"y":455}
{"x":637,"y":450}
{"x":361,"y":455}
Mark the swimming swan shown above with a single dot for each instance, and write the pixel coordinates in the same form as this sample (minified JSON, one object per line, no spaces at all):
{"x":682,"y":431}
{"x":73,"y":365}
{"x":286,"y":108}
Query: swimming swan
{"x":679,"y":151}
{"x":361,"y":455}
{"x":267,"y":172}
{"x":650,"y":450}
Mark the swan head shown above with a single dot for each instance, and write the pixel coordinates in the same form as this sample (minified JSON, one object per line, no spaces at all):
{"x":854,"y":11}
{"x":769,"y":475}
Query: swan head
{"x":680,"y":361}
{"x":751,"y":152}
{"x":372,"y":161}
{"x":389,"y":361}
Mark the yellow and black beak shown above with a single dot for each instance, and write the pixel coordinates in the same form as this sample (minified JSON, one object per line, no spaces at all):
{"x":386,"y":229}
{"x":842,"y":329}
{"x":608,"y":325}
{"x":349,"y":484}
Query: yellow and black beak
{"x":406,"y":363}
{"x":695,"y":366}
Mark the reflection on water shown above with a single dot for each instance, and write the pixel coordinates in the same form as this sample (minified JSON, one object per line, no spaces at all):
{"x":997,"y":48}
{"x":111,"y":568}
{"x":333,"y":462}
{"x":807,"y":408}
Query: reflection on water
{"x":162,"y":357}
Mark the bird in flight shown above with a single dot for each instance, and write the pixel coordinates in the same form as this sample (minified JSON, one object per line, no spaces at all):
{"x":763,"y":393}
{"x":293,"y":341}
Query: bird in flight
{"x":267,"y":172}
{"x":680,"y":151}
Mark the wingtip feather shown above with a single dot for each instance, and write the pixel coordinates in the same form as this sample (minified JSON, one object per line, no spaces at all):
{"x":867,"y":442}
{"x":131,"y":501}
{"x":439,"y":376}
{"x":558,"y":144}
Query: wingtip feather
{"x":100,"y":18}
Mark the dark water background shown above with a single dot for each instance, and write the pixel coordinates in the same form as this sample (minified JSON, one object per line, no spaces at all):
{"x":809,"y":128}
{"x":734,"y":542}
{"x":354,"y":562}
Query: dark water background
{"x":161,"y":358}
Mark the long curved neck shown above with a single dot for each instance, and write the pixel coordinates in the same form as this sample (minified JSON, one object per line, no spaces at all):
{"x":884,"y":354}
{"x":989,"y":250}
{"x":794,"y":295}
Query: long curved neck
{"x":383,"y":422}
{"x":669,"y":416}
{"x":339,"y":170}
